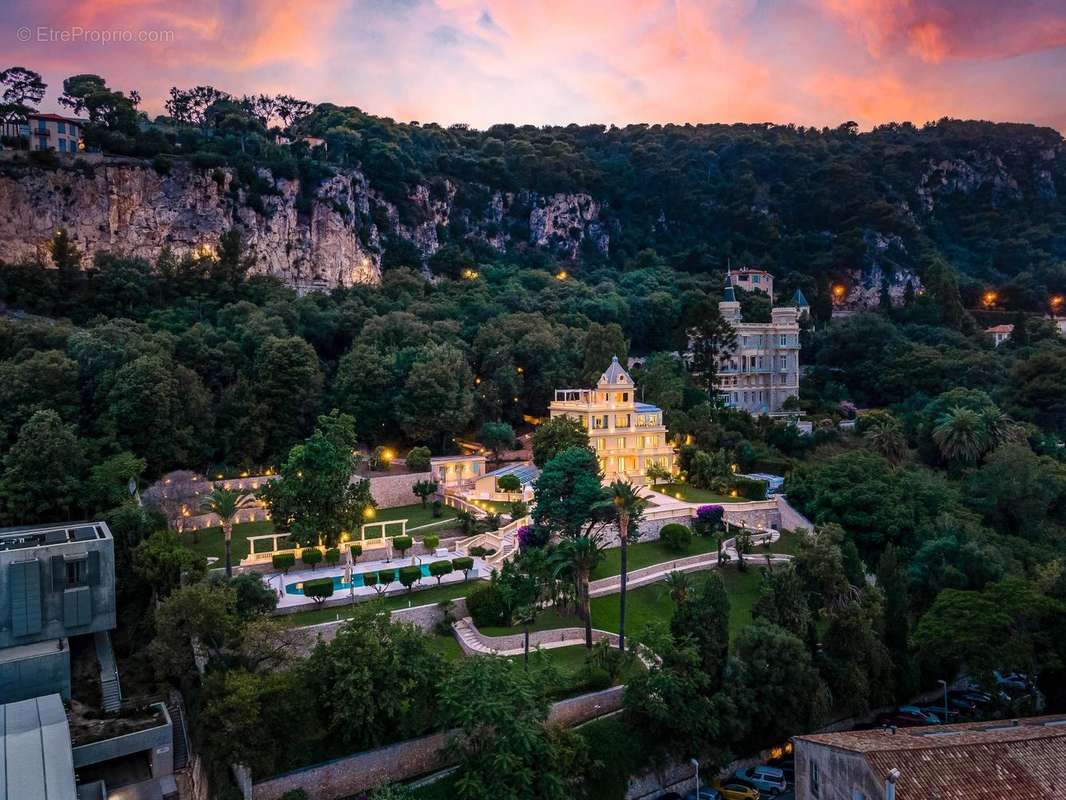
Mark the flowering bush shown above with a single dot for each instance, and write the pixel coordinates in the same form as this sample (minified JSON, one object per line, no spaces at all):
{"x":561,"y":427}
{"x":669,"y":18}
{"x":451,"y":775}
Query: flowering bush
{"x":848,"y":409}
{"x":530,"y":536}
{"x":709,"y":519}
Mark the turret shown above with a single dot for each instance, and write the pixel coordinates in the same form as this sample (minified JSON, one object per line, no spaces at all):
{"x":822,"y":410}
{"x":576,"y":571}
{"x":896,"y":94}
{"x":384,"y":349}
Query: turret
{"x":729,"y":307}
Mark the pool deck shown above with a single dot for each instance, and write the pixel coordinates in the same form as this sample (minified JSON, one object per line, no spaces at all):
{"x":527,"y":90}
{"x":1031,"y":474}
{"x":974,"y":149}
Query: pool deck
{"x":278,"y":580}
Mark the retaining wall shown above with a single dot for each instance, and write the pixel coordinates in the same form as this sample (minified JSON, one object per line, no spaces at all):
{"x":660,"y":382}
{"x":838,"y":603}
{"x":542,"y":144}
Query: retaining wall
{"x":404,"y":760}
{"x":390,"y":491}
{"x":514,"y":641}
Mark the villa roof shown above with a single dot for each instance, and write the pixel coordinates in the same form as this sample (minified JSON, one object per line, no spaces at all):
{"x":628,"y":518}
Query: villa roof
{"x":728,"y":294}
{"x":524,"y":471}
{"x":1000,"y":329}
{"x":615,"y":375}
{"x":977,"y":761}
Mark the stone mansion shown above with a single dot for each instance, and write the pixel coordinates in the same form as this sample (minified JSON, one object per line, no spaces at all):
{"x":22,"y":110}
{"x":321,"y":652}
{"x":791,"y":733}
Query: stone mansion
{"x":762,"y":372}
{"x":628,"y":436}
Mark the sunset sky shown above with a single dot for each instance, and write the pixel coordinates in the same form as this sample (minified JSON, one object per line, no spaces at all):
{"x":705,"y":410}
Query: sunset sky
{"x":812,"y":62}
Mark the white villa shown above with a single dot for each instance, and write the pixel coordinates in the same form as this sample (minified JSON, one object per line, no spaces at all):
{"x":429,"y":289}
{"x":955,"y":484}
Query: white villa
{"x":763,"y":371}
{"x":628,"y":436}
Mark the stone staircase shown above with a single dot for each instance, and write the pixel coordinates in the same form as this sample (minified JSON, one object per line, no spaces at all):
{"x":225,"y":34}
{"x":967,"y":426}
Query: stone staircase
{"x":468,"y":638}
{"x":110,"y":688}
{"x":176,"y":709}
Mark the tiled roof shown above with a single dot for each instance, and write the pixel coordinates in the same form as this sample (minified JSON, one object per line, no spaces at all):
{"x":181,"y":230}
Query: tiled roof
{"x":974,"y":761}
{"x":1000,"y":329}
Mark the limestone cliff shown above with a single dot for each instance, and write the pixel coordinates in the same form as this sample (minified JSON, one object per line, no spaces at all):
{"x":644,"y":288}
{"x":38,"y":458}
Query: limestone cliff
{"x":328,"y":237}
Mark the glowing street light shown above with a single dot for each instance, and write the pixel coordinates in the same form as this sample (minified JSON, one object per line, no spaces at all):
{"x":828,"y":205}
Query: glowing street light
{"x":989,"y":298}
{"x":561,"y":275}
{"x":838,"y":291}
{"x":1056,"y":302}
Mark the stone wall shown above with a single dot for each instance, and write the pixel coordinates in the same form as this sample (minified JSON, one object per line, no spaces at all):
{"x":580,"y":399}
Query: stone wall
{"x":790,"y":518}
{"x":404,"y":760}
{"x":390,"y":491}
{"x":537,"y":639}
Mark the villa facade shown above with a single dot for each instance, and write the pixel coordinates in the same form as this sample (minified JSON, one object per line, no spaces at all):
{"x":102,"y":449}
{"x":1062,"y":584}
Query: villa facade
{"x":628,"y":437}
{"x":763,"y":370}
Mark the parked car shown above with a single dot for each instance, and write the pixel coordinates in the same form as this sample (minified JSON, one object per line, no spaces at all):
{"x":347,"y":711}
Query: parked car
{"x":1013,"y":680}
{"x":763,"y":777}
{"x":731,"y":790}
{"x":913,"y":711}
{"x":706,"y":793}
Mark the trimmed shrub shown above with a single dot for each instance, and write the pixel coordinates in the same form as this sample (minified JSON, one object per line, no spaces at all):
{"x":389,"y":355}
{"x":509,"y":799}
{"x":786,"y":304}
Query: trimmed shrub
{"x":418,"y":459}
{"x":438,"y":569}
{"x":438,"y":509}
{"x":356,"y":550}
{"x":430,"y":542}
{"x":283,"y":561}
{"x":373,"y":580}
{"x":481,"y":552}
{"x":598,"y":680}
{"x":387,"y":576}
{"x":409,"y":576}
{"x":487,"y":606}
{"x":464,"y":564}
{"x":332,"y":556}
{"x":318,"y":589}
{"x":311,"y":556}
{"x":676,"y":536}
{"x":403,"y":544}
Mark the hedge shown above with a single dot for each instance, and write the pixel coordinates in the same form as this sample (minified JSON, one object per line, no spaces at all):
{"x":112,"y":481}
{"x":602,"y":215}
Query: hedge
{"x":749,"y":488}
{"x":318,"y":589}
{"x":430,"y":542}
{"x":283,"y":561}
{"x":311,"y":556}
{"x":333,"y":556}
{"x":676,"y":536}
{"x":403,"y":544}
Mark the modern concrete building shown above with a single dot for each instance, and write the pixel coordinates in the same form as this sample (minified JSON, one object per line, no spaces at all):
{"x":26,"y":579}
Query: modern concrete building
{"x":762,"y":371}
{"x":750,"y":279}
{"x":979,"y":760}
{"x":55,"y":583}
{"x":628,"y":436}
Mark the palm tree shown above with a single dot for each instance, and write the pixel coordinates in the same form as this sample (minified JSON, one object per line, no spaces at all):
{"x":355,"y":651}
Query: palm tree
{"x":680,"y":585}
{"x":225,"y":503}
{"x":885,"y":435}
{"x":580,"y":556}
{"x":627,"y":503}
{"x":961,"y":436}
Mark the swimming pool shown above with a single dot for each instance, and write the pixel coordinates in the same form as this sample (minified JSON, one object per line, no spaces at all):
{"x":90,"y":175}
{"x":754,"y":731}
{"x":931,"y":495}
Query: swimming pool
{"x":339,"y":584}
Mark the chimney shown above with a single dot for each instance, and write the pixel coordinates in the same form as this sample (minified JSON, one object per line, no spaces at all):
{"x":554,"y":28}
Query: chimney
{"x":890,"y":784}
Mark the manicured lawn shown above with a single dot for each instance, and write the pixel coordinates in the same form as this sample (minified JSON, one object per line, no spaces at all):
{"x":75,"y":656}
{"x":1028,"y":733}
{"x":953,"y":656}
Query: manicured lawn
{"x":446,"y":645}
{"x":494,"y":506}
{"x":651,"y":604}
{"x":690,"y":494}
{"x":644,"y":554}
{"x":209,"y":542}
{"x":422,"y":597}
{"x":414,"y":514}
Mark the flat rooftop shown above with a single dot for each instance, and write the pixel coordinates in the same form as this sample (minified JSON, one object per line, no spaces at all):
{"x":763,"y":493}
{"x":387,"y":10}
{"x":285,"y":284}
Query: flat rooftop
{"x":31,"y":536}
{"x":37,"y":763}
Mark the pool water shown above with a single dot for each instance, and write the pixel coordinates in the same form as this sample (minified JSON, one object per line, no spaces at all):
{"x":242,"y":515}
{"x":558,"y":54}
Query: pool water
{"x":339,"y":584}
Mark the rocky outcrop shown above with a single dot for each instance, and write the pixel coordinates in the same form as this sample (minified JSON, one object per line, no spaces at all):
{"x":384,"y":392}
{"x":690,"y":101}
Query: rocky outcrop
{"x":331,"y":236}
{"x":972,"y":173}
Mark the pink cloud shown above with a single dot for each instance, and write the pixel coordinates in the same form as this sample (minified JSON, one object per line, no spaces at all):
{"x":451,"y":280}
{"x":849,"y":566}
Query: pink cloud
{"x":813,"y":62}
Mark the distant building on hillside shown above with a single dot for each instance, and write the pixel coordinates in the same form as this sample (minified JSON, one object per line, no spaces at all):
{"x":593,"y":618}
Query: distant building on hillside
{"x":48,"y":132}
{"x":751,"y":279}
{"x":762,"y":372}
{"x":999,"y":333}
{"x":628,"y":437}
{"x":1002,"y":759}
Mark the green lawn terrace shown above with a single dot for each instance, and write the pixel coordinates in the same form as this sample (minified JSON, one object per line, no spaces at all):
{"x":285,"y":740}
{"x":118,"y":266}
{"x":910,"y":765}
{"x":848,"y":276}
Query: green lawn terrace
{"x":686,"y":493}
{"x":420,"y":522}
